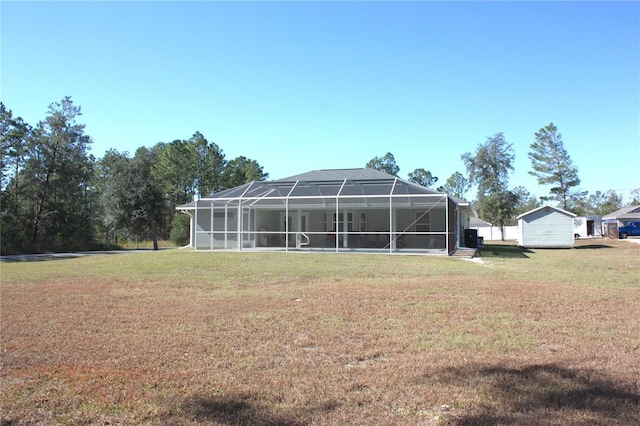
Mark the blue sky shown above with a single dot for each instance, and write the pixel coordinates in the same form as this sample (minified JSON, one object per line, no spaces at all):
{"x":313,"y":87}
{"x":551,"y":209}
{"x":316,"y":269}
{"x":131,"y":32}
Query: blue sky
{"x":300,"y":86}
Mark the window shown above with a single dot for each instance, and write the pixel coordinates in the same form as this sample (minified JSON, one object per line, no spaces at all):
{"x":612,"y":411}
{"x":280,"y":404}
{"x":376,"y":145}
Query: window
{"x":363,"y":221}
{"x":423,"y":222}
{"x":341,"y":221}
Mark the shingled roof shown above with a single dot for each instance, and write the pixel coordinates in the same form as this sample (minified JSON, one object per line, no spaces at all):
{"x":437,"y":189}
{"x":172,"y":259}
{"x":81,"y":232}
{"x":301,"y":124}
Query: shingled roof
{"x":325,"y":175}
{"x":625,"y":213}
{"x":325,"y":184}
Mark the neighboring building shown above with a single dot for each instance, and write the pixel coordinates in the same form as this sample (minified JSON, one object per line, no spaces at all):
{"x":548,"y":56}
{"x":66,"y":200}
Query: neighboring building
{"x":477,"y":223}
{"x":546,"y":227}
{"x":624,"y":216}
{"x":618,"y":219}
{"x":587,"y":227}
{"x":488,"y":232}
{"x":330,"y":210}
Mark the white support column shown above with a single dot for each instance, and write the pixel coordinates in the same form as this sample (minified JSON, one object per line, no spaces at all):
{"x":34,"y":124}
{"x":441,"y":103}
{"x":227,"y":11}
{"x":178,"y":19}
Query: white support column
{"x":195,"y":228}
{"x":391,"y":225}
{"x":446,"y":224}
{"x":344,"y":182}
{"x":256,"y":236}
{"x":298,"y":224}
{"x":337,"y":222}
{"x":392,"y":221}
{"x":211,"y":234}
{"x":286,"y":224}
{"x":286,"y":217}
{"x":239,"y":231}
{"x":226,"y":225}
{"x":192,"y":230}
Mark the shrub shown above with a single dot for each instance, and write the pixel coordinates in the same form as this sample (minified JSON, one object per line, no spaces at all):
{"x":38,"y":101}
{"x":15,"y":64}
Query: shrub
{"x":180,"y":230}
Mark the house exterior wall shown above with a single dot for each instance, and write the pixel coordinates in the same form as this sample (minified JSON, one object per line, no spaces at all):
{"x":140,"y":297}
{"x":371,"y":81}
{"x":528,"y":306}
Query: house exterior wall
{"x":269,"y":220}
{"x":546,"y":228}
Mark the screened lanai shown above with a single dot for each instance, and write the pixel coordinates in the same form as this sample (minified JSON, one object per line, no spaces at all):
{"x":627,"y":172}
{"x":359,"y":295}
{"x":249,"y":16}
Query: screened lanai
{"x":329,"y":210}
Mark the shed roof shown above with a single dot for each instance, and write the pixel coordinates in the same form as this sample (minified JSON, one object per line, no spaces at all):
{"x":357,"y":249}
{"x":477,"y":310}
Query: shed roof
{"x":559,"y":210}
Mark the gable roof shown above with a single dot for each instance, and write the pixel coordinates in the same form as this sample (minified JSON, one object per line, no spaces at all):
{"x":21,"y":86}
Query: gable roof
{"x":629,"y":212}
{"x":559,"y":210}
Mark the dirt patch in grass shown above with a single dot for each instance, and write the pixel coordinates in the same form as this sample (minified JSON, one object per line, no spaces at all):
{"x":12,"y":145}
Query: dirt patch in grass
{"x":179,"y":337}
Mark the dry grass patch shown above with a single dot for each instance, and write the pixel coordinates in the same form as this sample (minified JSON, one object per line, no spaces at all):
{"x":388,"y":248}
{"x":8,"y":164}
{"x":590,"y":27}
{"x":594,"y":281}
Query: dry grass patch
{"x":179,"y":337}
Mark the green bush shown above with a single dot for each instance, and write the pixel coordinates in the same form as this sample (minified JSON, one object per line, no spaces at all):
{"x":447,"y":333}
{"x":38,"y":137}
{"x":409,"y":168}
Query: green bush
{"x":180,"y":230}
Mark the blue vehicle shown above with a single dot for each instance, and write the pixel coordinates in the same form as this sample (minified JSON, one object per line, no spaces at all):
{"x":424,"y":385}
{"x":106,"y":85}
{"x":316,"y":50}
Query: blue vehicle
{"x":629,"y":230}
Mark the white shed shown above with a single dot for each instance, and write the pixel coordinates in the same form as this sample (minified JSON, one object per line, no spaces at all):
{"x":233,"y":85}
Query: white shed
{"x":546,"y":227}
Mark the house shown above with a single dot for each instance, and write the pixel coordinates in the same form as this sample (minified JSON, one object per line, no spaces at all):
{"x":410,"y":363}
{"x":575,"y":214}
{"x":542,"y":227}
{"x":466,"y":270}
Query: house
{"x":546,"y":227}
{"x":618,"y":219}
{"x":624,"y":215}
{"x":343,"y":210}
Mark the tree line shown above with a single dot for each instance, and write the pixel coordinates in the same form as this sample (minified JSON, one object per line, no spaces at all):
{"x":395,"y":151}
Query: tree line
{"x":489,"y":169}
{"x":56,"y":196}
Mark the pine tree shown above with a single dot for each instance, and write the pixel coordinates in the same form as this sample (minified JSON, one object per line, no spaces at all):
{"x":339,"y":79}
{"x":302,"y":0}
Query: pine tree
{"x":552,"y":165}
